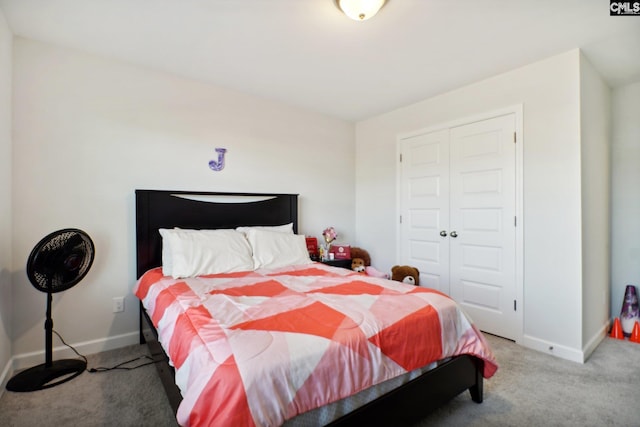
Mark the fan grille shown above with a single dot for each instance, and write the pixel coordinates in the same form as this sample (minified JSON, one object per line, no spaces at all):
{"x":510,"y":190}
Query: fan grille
{"x":60,"y":260}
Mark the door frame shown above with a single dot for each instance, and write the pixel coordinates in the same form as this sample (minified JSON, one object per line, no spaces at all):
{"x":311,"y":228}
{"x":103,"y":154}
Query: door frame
{"x":517,"y":110}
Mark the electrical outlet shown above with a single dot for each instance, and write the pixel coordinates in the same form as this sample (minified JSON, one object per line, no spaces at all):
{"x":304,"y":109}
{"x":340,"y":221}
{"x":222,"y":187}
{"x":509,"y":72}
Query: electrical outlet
{"x":118,"y":304}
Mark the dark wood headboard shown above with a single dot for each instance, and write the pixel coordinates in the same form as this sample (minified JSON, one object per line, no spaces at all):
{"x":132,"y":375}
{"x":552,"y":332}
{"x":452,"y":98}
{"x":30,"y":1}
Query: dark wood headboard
{"x":157,"y":209}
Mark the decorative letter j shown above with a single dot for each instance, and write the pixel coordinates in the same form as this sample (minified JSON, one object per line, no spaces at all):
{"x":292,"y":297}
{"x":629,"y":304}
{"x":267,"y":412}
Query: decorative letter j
{"x":218,"y":165}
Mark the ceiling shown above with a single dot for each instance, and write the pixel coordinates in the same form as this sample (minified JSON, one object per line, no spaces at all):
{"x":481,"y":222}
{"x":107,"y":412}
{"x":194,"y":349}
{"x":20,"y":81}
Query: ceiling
{"x":307,"y":54}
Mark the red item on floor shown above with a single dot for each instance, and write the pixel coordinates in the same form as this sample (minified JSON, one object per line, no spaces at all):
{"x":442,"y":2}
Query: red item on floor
{"x":635,"y":334}
{"x":616,"y":331}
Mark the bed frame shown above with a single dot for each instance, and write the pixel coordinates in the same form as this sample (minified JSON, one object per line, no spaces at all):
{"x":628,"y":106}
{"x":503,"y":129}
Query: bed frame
{"x":208,"y":210}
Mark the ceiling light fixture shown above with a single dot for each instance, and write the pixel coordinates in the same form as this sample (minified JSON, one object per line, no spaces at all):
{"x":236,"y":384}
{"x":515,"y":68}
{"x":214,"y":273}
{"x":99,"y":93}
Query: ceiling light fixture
{"x":360,"y":10}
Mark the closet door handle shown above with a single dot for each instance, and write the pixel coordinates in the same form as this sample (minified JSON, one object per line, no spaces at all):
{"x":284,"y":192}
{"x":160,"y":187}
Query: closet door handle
{"x":443,"y":233}
{"x":454,"y":234}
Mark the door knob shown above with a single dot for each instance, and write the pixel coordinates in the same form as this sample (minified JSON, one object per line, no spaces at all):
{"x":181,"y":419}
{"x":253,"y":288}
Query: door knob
{"x":443,"y":233}
{"x":454,"y":234}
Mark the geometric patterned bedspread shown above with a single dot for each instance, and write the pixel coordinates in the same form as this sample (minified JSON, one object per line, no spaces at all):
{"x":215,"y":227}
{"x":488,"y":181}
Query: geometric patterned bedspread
{"x":260,"y":347}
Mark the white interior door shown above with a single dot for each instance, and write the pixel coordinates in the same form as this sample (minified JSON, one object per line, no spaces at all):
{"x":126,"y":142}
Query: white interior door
{"x":425,"y":207}
{"x":483,"y":228}
{"x":458,"y":207}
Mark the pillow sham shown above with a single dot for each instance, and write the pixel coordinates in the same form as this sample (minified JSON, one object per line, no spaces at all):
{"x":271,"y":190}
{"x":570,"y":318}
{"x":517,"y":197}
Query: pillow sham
{"x":167,"y":259}
{"x":189,"y":253}
{"x":273,"y":249}
{"x":284,"y":228}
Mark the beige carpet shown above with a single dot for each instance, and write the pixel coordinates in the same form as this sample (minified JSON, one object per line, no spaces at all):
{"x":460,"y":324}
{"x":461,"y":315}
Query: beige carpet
{"x":530,"y":389}
{"x":535,"y":389}
{"x":114,"y":398}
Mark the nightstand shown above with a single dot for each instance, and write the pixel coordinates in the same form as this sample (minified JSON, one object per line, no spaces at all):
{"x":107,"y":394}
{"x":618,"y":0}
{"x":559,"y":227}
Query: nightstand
{"x":343,"y":263}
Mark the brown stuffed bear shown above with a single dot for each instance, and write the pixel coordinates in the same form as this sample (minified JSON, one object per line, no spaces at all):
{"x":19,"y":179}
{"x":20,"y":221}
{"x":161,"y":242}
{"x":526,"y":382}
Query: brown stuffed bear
{"x":405,"y":274}
{"x":360,"y":259}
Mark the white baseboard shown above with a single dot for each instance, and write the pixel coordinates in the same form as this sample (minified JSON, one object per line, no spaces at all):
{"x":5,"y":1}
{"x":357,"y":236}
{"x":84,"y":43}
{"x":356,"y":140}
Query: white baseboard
{"x":27,"y":360}
{"x":595,"y":341}
{"x":564,"y":352}
{"x":7,"y":372}
{"x":548,"y":347}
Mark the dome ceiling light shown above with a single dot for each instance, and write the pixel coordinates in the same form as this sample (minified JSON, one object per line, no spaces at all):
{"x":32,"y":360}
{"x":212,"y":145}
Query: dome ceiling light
{"x":360,"y":10}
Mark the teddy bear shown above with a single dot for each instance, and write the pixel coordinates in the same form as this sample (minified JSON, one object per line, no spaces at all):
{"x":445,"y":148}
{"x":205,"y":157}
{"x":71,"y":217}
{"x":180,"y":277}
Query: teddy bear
{"x":361,"y":263}
{"x":405,"y":274}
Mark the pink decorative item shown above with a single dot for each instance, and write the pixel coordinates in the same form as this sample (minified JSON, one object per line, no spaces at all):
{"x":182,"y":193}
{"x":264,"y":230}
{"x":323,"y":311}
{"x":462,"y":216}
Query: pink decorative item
{"x":329,"y":235}
{"x":375,"y":273}
{"x":630,"y":312}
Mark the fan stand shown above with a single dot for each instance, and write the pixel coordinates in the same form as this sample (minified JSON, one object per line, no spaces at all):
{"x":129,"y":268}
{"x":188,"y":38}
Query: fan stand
{"x":42,"y":376}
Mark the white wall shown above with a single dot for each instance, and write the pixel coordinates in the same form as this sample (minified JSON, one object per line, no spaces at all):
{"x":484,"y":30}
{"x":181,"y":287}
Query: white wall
{"x":595,"y":131}
{"x":625,"y":193}
{"x":549,"y":93}
{"x":5,"y":200}
{"x":89,"y":131}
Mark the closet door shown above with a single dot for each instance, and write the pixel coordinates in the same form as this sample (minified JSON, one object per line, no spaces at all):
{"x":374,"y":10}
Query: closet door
{"x":482,"y":221}
{"x":424,"y":207}
{"x":458,"y":206}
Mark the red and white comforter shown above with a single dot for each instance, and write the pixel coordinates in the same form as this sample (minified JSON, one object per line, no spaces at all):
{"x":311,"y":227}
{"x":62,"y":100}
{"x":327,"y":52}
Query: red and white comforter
{"x":259,"y":347}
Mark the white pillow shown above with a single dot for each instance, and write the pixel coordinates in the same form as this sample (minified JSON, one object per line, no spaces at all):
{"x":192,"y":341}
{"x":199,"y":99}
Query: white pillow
{"x":167,"y":259}
{"x":272,"y":249}
{"x":191,"y":253}
{"x":284,"y":228}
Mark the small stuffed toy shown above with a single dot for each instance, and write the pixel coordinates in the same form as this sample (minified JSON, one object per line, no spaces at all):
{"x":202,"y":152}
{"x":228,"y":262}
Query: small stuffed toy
{"x":405,"y":274}
{"x":360,"y":259}
{"x":361,"y":263}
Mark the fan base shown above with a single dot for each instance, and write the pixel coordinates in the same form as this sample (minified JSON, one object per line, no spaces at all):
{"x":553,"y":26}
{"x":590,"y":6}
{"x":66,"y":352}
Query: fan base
{"x":42,"y":376}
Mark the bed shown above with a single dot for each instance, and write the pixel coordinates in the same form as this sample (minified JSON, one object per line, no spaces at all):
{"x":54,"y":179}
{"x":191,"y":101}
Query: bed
{"x":395,"y":389}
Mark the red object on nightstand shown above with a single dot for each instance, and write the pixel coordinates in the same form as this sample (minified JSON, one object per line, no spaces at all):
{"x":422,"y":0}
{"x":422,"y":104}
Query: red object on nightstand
{"x":340,"y":251}
{"x":312,"y":247}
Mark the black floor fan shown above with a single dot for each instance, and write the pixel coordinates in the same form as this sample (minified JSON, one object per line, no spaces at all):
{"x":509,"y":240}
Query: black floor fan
{"x":55,"y":264}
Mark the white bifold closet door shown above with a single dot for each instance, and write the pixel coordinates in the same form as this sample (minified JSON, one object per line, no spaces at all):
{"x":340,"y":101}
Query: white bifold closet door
{"x":458,"y":224}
